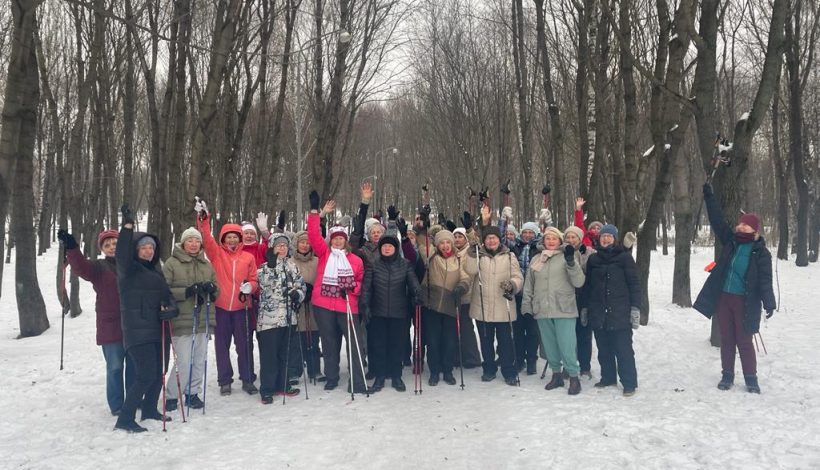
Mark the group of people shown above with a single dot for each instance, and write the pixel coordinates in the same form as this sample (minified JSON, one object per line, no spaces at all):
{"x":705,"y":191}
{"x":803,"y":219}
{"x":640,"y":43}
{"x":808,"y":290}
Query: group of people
{"x":480,"y":295}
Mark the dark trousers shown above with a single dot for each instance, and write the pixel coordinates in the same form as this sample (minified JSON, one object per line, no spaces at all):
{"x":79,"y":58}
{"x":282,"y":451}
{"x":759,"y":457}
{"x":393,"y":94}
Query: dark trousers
{"x":144,"y":392}
{"x":387,"y":347}
{"x":273,"y":347}
{"x":733,"y":336}
{"x":583,"y":336}
{"x":527,"y":338}
{"x":615,"y":355}
{"x":469,"y":342}
{"x":232,"y":325}
{"x":332,"y":327}
{"x":489,"y":333}
{"x":310,"y":349}
{"x":439,"y":334}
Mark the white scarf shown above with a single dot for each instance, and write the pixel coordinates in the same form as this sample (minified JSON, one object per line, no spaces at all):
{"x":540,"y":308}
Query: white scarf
{"x":337,"y":267}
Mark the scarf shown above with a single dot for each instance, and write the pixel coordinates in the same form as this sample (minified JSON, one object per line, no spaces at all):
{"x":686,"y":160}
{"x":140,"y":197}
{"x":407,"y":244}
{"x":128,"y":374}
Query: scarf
{"x":338,"y":274}
{"x":741,"y":237}
{"x":541,"y":259}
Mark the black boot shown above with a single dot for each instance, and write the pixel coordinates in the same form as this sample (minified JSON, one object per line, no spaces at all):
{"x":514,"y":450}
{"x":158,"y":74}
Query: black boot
{"x":574,"y":386}
{"x":449,"y":379}
{"x":434,"y":378}
{"x":557,"y":381}
{"x":194,"y":402}
{"x":171,"y":404}
{"x":751,"y":383}
{"x":331,"y":384}
{"x":156,"y":415}
{"x":249,"y":388}
{"x":378,"y":384}
{"x":532,"y":368}
{"x":130,"y":426}
{"x":726,"y":380}
{"x":488,"y":377}
{"x":398,"y":384}
{"x":225,"y":390}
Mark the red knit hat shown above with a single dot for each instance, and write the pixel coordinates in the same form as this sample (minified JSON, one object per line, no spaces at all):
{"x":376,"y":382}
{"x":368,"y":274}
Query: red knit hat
{"x":104,"y":235}
{"x":750,"y":219}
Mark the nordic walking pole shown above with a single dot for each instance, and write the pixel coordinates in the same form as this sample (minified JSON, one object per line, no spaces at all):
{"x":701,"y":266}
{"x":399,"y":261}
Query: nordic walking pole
{"x":286,"y":380}
{"x":244,"y":299}
{"x":207,"y":338}
{"x":460,"y":352}
{"x":358,"y":350}
{"x":349,"y":314}
{"x":762,"y":343}
{"x":481,"y":293}
{"x":66,"y":305}
{"x":176,"y":369}
{"x":191,"y":361}
{"x":416,"y":369}
{"x":163,"y":376}
{"x":512,"y":337}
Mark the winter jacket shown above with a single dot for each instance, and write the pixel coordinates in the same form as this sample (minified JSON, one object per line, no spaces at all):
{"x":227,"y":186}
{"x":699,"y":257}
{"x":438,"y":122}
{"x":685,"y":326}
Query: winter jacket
{"x":442,"y":276}
{"x":258,"y":251}
{"x":579,"y":222}
{"x":182,"y":270}
{"x":524,"y":251}
{"x":486,"y":273}
{"x":462,"y":255}
{"x":232,"y":267}
{"x":612,"y":288}
{"x":142,"y":289}
{"x":322,"y":251}
{"x":390,"y":286}
{"x":276,"y":309}
{"x":550,"y":291}
{"x":306,"y":262}
{"x":759,"y":289}
{"x":102,"y":274}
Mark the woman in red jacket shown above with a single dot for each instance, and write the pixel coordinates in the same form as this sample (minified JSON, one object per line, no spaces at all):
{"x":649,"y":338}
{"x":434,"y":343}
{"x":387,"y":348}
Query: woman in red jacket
{"x":102,"y":274}
{"x":339,"y":275}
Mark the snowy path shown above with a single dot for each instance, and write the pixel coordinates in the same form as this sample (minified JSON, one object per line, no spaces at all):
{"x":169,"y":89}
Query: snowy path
{"x":678,"y":418}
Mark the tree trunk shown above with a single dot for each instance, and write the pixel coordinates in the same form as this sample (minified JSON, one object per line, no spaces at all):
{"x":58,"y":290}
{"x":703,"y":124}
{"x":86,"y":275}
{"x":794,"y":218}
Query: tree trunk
{"x":523,"y":93}
{"x":582,"y":95}
{"x":782,"y":180}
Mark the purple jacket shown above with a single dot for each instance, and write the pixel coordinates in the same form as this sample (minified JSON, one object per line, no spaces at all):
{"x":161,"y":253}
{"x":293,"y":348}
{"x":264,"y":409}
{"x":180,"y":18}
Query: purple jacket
{"x":102,"y":274}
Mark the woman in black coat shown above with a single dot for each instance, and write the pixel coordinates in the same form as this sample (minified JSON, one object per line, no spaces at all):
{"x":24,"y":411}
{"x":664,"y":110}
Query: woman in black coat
{"x":612,"y":298}
{"x":737,"y":286}
{"x":145,"y":301}
{"x":390,"y":285}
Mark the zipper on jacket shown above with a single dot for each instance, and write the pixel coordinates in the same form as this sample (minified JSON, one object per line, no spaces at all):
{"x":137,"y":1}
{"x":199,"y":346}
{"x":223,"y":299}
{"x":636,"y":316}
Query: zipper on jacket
{"x":233,"y":286}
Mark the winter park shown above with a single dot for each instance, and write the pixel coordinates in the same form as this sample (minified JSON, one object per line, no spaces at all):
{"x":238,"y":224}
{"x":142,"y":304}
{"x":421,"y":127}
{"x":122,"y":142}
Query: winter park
{"x":409,"y":234}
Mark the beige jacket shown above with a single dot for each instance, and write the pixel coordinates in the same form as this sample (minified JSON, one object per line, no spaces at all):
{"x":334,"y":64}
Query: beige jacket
{"x":487,"y":273}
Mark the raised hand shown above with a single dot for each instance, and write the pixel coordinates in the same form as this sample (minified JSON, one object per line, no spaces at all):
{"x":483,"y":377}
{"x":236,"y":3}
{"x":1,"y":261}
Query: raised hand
{"x":486,"y":215}
{"x":329,"y":207}
{"x":127,"y":215}
{"x":579,"y":203}
{"x":367,"y":192}
{"x":313,"y":197}
{"x":546,"y":189}
{"x":467,"y":220}
{"x":280,"y":221}
{"x":68,"y":241}
{"x":392,"y":213}
{"x":262,"y":221}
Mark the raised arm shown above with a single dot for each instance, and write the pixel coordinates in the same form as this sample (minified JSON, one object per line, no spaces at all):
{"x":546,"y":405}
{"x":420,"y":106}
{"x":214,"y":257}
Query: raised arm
{"x":720,"y":228}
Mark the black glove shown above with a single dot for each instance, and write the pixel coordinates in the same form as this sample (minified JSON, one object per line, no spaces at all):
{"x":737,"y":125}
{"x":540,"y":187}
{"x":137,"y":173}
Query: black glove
{"x":442,"y":219}
{"x":769,"y":314}
{"x":280,"y":221}
{"x":450,"y":225}
{"x":392,"y":213}
{"x":582,"y":249}
{"x":67,"y":239}
{"x":192,"y":290}
{"x":127,"y":215}
{"x":343,"y":293}
{"x":169,"y":311}
{"x":484,"y":194}
{"x":424,"y":213}
{"x":308,"y":291}
{"x":313,"y":197}
{"x":294,"y":295}
{"x":546,"y":189}
{"x":707,"y":190}
{"x":458,"y":293}
{"x":401,"y":225}
{"x":467,"y":220}
{"x":208,"y":287}
{"x":529,"y":315}
{"x":569,"y":255}
{"x":506,"y":188}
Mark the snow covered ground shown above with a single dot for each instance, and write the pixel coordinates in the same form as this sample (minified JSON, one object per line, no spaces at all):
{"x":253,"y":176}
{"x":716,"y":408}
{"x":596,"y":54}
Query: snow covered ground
{"x":678,"y":418}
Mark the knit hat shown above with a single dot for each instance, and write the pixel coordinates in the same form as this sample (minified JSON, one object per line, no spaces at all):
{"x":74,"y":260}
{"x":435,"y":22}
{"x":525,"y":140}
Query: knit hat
{"x":491,"y":230}
{"x":553,"y":231}
{"x":750,"y":219}
{"x":461,"y":230}
{"x":105,"y":235}
{"x":370,"y":223}
{"x":278,"y":238}
{"x":444,"y":235}
{"x":389,"y":239}
{"x":337,"y":231}
{"x":146,"y":240}
{"x":609,"y":229}
{"x":577,"y":231}
{"x":248,"y":226}
{"x":511,"y":228}
{"x":595,"y":223}
{"x":531,"y":226}
{"x":190,"y":232}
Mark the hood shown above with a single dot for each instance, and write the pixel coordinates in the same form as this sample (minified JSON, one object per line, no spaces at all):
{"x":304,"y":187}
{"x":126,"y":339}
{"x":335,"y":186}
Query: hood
{"x":137,"y":237}
{"x":228,"y":228}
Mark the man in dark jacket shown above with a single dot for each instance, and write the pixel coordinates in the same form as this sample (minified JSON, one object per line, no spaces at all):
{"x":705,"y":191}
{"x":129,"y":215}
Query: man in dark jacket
{"x":739,"y":283}
{"x":612,"y":298}
{"x":145,"y":301}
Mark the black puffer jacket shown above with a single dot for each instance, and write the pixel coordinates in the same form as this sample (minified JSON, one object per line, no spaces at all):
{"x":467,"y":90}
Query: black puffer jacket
{"x":612,"y":288}
{"x":759,"y":289}
{"x":142,"y":289}
{"x":390,"y":286}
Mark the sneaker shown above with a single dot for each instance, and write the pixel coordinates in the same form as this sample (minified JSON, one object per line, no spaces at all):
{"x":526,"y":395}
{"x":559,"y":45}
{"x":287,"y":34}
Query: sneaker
{"x":488,"y":377}
{"x":378,"y":384}
{"x":155,"y":415}
{"x":628,"y":392}
{"x":267,"y":399}
{"x":751,"y":383}
{"x":331,"y":384}
{"x":398,"y":384}
{"x":512,"y":381}
{"x":249,"y":388}
{"x":433,"y":380}
{"x":726,"y":381}
{"x":574,"y":386}
{"x":603,"y":384}
{"x":225,"y":390}
{"x":171,"y":404}
{"x":291,"y":392}
{"x":556,"y":381}
{"x":449,"y":379}
{"x":129,"y":426}
{"x":194,"y":402}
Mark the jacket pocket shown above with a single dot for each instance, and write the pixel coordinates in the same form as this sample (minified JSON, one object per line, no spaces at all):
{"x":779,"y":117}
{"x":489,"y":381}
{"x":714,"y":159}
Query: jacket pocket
{"x":566,"y":302}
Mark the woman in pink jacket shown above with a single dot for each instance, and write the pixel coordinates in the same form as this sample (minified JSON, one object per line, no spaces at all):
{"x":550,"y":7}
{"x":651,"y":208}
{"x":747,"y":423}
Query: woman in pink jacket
{"x":339,"y":275}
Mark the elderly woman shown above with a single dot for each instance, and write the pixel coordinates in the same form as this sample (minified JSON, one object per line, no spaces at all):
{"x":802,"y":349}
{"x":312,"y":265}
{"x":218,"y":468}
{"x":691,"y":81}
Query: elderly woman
{"x":549,"y":295}
{"x":574,"y":236}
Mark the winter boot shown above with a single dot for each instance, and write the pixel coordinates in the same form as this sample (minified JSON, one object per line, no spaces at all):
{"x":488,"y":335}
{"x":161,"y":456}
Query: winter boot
{"x":488,"y":377}
{"x":628,"y":392}
{"x":557,"y":381}
{"x":726,"y":380}
{"x":290,"y":392}
{"x":511,"y":381}
{"x":249,"y":388}
{"x":603,"y":384}
{"x":370,"y":375}
{"x":267,"y":399}
{"x":574,"y":386}
{"x":331,"y":384}
{"x":129,"y":426}
{"x":225,"y":390}
{"x":171,"y":404}
{"x":449,"y":379}
{"x":751,"y":383}
{"x":587,"y":374}
{"x":532,"y":369}
{"x":194,"y":402}
{"x":398,"y":384}
{"x":155,"y":415}
{"x":434,"y":378}
{"x":378,"y":384}
{"x":361,"y":389}
{"x":564,"y":374}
